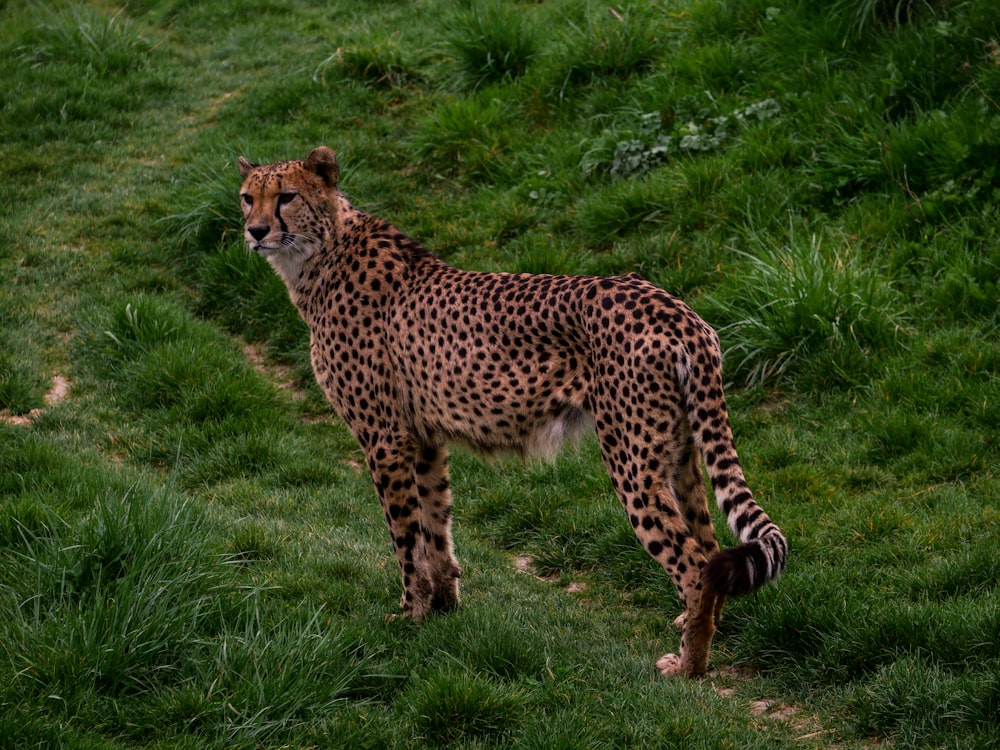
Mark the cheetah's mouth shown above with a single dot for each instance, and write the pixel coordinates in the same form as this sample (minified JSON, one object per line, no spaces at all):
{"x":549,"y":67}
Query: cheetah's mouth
{"x":288,"y":244}
{"x":264,"y":248}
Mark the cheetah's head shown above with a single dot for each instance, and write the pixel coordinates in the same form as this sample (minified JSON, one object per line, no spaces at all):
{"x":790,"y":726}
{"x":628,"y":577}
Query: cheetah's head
{"x":289,"y":207}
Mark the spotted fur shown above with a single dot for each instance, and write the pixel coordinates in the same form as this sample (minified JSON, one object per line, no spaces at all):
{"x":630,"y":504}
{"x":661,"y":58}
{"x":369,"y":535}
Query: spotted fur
{"x":415,"y":354}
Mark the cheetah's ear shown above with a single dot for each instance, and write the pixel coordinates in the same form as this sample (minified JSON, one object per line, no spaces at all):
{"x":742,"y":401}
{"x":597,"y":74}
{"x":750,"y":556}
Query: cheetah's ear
{"x":245,"y":167}
{"x":323,"y":162}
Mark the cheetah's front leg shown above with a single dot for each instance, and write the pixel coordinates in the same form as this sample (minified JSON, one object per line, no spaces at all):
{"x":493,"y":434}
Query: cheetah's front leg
{"x":392,"y":463}
{"x":436,"y":548}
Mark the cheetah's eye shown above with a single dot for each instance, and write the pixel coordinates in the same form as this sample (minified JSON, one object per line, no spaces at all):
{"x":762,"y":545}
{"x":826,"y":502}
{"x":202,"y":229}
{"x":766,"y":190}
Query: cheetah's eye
{"x":247,"y":199}
{"x":285,"y":198}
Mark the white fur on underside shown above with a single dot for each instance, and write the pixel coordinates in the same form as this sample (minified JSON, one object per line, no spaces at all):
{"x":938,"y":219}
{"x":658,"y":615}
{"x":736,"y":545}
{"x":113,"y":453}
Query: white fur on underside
{"x":548,"y":439}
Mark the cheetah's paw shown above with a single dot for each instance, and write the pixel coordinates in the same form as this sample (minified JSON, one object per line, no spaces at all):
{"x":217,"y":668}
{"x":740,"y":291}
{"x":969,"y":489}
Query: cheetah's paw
{"x":670,"y":665}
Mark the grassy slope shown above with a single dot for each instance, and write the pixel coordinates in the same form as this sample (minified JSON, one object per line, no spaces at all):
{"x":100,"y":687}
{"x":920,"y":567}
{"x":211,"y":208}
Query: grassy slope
{"x":191,"y":556}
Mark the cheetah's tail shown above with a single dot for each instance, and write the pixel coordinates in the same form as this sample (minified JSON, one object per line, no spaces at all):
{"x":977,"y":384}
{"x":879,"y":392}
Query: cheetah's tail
{"x":740,"y":570}
{"x":763,"y":549}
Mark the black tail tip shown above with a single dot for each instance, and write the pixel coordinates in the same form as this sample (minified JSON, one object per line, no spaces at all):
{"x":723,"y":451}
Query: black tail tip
{"x":739,"y":570}
{"x":727,"y":573}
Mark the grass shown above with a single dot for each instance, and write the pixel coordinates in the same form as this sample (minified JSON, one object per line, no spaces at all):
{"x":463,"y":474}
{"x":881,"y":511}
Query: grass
{"x":803,"y":303}
{"x":192,"y":555}
{"x":490,"y":42}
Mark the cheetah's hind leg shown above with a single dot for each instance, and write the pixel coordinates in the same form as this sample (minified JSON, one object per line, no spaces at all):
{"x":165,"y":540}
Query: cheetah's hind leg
{"x":647,"y":489}
{"x":689,"y":486}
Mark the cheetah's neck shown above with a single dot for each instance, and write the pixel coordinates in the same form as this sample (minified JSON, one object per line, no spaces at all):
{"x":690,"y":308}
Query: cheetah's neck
{"x":300,"y":270}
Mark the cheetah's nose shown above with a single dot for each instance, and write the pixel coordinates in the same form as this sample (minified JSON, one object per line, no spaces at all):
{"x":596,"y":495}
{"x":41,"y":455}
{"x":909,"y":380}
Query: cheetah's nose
{"x":259,"y":231}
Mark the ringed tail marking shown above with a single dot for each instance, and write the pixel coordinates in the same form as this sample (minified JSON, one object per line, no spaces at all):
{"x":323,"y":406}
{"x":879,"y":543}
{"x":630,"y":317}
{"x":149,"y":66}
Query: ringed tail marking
{"x":763,"y":551}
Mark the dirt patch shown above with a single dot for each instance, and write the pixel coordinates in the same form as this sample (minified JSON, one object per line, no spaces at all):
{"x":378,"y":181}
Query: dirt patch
{"x":280,"y":374}
{"x":56,"y":394}
{"x":768,"y":711}
{"x":525,"y":564}
{"x":728,"y":675}
{"x":773,"y":710}
{"x":775,"y":402}
{"x":19,"y":420}
{"x":790,"y":715}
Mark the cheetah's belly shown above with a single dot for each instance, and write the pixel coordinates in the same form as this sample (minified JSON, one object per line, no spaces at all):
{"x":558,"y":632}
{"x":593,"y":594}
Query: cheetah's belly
{"x":525,"y":399}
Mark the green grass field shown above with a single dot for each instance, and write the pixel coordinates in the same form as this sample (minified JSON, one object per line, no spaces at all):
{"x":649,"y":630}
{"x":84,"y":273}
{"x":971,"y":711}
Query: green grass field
{"x":191,"y":555}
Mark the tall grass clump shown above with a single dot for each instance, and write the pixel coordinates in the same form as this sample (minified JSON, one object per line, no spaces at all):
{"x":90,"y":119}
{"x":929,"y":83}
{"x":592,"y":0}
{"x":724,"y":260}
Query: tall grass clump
{"x":76,"y":73}
{"x":624,"y":207}
{"x":136,"y":602}
{"x":21,"y":386}
{"x":244,"y":294}
{"x":490,"y":41}
{"x":81,"y":35}
{"x":859,"y":15}
{"x":22,"y":375}
{"x":468,"y":136}
{"x":920,"y":704}
{"x":618,"y":42}
{"x":802,"y":308}
{"x":263,"y":678}
{"x":450,"y":706}
{"x":108,"y":603}
{"x":139,"y":325}
{"x":377,"y":59}
{"x":208,"y":207}
{"x":379,"y":66}
{"x":157,"y":360}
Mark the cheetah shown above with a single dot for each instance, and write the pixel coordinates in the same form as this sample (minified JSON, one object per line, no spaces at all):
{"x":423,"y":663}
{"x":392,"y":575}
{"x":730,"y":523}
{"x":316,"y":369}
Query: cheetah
{"x":415,"y":354}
